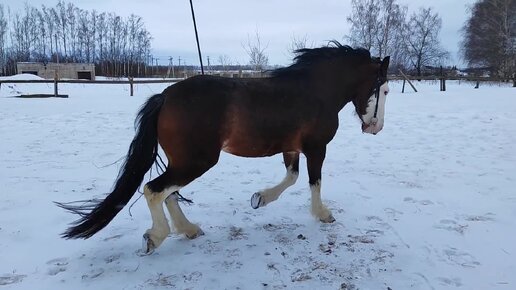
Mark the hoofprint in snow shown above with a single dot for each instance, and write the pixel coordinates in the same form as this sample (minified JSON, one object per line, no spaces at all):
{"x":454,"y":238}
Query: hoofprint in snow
{"x":426,"y":204}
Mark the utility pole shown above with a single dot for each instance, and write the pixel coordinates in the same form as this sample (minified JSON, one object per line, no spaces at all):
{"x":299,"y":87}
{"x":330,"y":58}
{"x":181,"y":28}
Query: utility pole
{"x":197,"y":37}
{"x":170,"y":67}
{"x":209,"y":69}
{"x":179,"y":66}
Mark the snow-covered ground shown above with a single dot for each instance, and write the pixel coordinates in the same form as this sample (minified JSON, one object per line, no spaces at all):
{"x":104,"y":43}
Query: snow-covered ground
{"x":429,"y":203}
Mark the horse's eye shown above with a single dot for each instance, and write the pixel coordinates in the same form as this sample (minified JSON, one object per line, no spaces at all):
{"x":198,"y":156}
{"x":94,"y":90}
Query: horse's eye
{"x":386,"y":92}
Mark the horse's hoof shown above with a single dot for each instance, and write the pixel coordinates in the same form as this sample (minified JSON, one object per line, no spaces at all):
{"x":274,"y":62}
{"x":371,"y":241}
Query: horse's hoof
{"x":257,"y":200}
{"x":148,"y":246}
{"x":195,"y":235}
{"x":328,"y":220}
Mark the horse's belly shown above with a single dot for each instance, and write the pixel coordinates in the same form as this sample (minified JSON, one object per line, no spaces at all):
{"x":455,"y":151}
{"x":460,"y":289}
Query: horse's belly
{"x":257,"y":148}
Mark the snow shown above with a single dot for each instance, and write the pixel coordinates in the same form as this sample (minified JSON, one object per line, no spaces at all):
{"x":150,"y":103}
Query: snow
{"x":28,"y":77}
{"x":428,"y":203}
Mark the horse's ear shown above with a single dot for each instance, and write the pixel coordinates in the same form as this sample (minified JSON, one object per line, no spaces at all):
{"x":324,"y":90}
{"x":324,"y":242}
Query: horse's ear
{"x":385,"y":65}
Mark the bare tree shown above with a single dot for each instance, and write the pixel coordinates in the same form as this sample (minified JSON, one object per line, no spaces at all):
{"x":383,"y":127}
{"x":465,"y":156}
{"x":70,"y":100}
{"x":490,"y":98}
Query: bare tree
{"x":377,"y":25}
{"x":390,"y":27}
{"x":490,"y":37}
{"x":297,"y":43}
{"x":224,"y":61}
{"x":364,"y":23}
{"x":71,"y":19}
{"x":256,"y":52}
{"x":63,"y":25}
{"x":116,"y":45}
{"x":3,"y":39}
{"x":49,"y":28}
{"x":422,"y":39}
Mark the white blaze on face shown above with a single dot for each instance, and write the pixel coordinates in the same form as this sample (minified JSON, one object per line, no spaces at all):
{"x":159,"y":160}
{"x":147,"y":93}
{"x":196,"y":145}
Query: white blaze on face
{"x":368,"y":125}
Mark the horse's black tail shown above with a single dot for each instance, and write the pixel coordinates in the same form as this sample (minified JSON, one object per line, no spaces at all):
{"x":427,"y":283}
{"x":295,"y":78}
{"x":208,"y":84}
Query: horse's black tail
{"x":142,"y":154}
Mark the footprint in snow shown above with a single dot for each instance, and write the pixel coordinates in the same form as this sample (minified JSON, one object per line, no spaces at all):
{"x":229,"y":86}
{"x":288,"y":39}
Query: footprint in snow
{"x":392,"y":213}
{"x":112,"y":258}
{"x":57,"y":266}
{"x":480,"y":218}
{"x":452,"y":226}
{"x":450,"y":281}
{"x":8,"y":279}
{"x":460,"y":258}
{"x":93,"y":274}
{"x":421,"y":202}
{"x":192,"y":277}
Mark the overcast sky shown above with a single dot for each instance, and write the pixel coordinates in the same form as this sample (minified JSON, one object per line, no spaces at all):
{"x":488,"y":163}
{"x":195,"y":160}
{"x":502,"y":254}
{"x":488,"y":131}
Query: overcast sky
{"x":224,"y":25}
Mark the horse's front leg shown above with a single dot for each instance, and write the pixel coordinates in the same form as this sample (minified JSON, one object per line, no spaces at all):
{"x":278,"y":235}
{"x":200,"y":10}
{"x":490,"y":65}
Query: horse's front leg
{"x":314,"y":160}
{"x":264,"y":197}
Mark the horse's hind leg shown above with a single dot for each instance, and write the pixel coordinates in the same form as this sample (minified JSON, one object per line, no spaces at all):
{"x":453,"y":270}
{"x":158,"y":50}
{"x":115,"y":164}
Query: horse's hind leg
{"x":165,"y":186}
{"x":181,"y":223}
{"x":160,"y":229}
{"x":264,"y":197}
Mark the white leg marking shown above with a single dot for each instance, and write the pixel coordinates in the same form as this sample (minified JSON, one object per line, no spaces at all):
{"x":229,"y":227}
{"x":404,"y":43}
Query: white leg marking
{"x":319,"y":210}
{"x":181,"y":223}
{"x":271,"y":194}
{"x":160,"y":228}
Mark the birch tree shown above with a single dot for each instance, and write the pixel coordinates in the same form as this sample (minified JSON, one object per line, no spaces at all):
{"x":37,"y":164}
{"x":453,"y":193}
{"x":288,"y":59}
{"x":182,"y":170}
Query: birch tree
{"x":377,"y":25}
{"x":422,"y":39}
{"x":489,"y":37}
{"x":3,"y":39}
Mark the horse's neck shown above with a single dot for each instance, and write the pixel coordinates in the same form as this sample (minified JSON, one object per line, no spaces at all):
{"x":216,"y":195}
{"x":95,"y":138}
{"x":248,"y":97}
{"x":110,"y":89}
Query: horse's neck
{"x":330,"y":93}
{"x":334,"y":94}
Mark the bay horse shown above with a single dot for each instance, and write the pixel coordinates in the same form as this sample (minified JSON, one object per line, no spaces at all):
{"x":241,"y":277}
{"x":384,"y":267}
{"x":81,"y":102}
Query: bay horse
{"x":294,"y":110}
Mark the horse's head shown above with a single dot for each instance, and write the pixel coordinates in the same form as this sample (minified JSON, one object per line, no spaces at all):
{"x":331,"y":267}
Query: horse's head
{"x":370,"y":97}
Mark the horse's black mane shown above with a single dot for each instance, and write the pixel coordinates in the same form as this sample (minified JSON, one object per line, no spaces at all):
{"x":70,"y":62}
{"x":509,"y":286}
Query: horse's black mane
{"x":306,"y":57}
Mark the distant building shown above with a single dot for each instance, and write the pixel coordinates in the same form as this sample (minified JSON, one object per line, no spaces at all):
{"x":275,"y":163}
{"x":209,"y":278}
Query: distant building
{"x":84,"y":71}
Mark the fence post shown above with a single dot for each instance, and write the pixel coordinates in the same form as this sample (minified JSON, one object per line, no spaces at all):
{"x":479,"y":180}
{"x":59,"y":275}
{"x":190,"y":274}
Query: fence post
{"x":442,"y":80}
{"x":410,"y":83}
{"x":131,"y":85}
{"x":55,"y":85}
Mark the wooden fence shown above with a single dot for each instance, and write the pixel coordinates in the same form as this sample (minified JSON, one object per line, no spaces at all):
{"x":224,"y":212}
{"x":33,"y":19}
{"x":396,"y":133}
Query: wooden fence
{"x":132,"y":82}
{"x":442,"y":80}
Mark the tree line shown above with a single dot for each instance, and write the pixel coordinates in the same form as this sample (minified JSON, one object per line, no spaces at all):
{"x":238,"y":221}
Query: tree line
{"x":488,"y":37}
{"x":117,"y":46}
{"x":385,"y":28}
{"x":122,"y":46}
